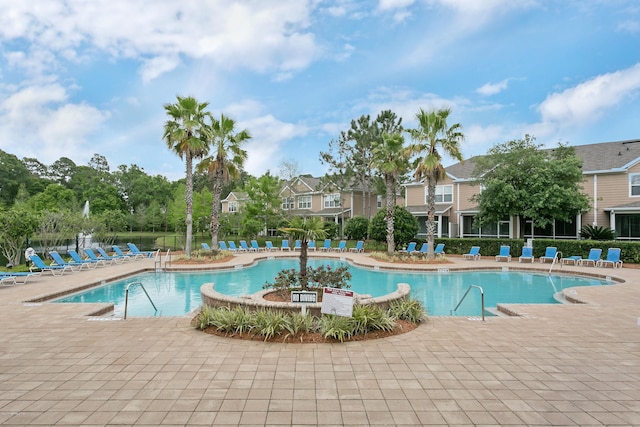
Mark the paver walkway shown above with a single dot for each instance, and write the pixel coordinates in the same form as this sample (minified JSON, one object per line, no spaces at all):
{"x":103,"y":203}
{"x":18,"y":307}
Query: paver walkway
{"x":558,"y":365}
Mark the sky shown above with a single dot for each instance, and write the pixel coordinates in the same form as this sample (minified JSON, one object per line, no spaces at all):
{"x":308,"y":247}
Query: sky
{"x":81,"y":77}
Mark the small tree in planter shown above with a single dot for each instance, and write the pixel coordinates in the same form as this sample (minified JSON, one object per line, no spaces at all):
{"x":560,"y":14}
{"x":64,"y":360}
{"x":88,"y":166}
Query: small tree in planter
{"x":304,"y":229}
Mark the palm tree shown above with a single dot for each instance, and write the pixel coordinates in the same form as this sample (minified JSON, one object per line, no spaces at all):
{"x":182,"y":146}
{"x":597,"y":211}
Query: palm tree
{"x":391,"y":158}
{"x":304,"y":229}
{"x":226,"y":161}
{"x":433,"y":134}
{"x":184,"y":134}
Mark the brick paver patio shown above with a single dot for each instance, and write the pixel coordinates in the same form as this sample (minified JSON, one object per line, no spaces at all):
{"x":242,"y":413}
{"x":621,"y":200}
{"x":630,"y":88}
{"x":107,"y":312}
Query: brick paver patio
{"x":557,"y":365}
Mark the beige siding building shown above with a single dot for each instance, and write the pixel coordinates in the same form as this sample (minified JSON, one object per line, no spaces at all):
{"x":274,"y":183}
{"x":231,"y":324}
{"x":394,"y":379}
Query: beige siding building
{"x":611,"y":173}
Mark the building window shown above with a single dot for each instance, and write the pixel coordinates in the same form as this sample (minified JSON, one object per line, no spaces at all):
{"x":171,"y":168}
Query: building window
{"x":304,"y":202}
{"x":634,"y":184}
{"x":379,"y":201}
{"x":444,"y":193}
{"x":332,"y":200}
{"x":287,"y":203}
{"x":233,"y":206}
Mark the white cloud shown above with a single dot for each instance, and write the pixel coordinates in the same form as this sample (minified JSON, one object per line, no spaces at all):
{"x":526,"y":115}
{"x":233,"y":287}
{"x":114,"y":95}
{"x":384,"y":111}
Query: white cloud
{"x":493,"y":88}
{"x":585,"y":102}
{"x":265,"y":35}
{"x":629,"y":26}
{"x":385,"y":5}
{"x":38,"y":121}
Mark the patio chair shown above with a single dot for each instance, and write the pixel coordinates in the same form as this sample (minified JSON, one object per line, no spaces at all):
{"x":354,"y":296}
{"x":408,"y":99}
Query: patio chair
{"x":549,"y":254}
{"x":117,"y":251}
{"x":244,"y":247}
{"x":223,"y":245}
{"x":527,"y":254}
{"x":284,"y":246}
{"x":297,"y":245}
{"x":255,"y":247}
{"x":439,"y":251}
{"x":58,"y":260}
{"x":134,"y":250}
{"x":9,"y":278}
{"x":55,"y":270}
{"x":410,"y":248}
{"x":359,"y":247}
{"x":312,"y":245}
{"x":327,"y":245}
{"x":118,"y":259}
{"x":205,"y":246}
{"x":342,"y":246}
{"x":613,"y":258}
{"x":232,"y":246}
{"x":474,"y":253}
{"x":93,"y":257}
{"x":505,"y":253}
{"x":75,"y":256}
{"x":422,"y":251}
{"x":269,"y":246}
{"x":573,"y":259}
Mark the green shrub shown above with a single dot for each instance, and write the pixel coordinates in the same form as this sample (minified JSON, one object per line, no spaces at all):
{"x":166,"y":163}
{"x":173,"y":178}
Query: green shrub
{"x":356,"y":228}
{"x":596,"y":232}
{"x":205,"y":317}
{"x":407,"y":309}
{"x":232,"y":320}
{"x":369,"y":318}
{"x":405,"y":226}
{"x":323,"y":276}
{"x":336,"y":327}
{"x":331,"y":229}
{"x":302,"y":324}
{"x":269,"y":323}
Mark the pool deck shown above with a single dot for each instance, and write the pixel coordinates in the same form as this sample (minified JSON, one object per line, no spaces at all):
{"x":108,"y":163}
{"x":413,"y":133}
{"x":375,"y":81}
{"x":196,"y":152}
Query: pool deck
{"x":571,"y":364}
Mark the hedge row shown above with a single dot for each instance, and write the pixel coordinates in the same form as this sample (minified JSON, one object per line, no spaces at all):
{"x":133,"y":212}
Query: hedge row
{"x":491,"y":247}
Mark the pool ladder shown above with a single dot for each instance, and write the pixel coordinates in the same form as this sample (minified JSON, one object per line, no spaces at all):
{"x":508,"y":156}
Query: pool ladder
{"x":126,"y":297}
{"x":465,"y":295}
{"x":158,"y":260}
{"x":557,"y":257}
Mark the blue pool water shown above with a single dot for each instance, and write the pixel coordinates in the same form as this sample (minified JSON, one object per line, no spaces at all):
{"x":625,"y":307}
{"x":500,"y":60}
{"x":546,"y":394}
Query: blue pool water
{"x":176,"y":294}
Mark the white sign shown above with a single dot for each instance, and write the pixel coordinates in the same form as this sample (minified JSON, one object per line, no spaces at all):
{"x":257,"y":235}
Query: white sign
{"x":308,"y":297}
{"x":337,"y":301}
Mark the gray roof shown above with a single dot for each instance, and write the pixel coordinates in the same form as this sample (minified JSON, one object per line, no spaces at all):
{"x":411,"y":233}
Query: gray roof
{"x":602,"y":157}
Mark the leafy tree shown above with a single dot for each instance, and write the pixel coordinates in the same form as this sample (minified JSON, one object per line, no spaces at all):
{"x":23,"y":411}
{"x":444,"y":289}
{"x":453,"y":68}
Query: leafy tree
{"x":263,"y":198}
{"x":521,"y":179}
{"x":357,"y":228}
{"x":16,"y":225}
{"x":330,"y":229}
{"x":391,"y":158}
{"x":184,"y":133}
{"x":226,"y":161}
{"x":434,"y":137}
{"x":62,"y":170}
{"x":56,"y":228}
{"x":12,"y":174}
{"x":304,"y":229}
{"x":405,"y":226}
{"x":55,"y":197}
{"x":106,"y":225}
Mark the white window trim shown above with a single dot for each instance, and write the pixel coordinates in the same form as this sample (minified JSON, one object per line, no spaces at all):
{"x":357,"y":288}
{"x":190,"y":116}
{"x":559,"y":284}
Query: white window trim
{"x":631,"y":185}
{"x":233,"y":206}
{"x":305,"y":202}
{"x":440,"y":191}
{"x":288,"y":203}
{"x":331,"y":200}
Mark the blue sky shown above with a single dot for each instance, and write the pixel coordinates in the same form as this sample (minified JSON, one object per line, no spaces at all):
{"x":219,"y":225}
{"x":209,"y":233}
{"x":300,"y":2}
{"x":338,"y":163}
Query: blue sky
{"x":78,"y":77}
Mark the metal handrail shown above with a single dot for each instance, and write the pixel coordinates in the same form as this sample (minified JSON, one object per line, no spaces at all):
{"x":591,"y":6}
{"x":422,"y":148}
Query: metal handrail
{"x":167,"y":261}
{"x":557,"y":256}
{"x":465,"y":295}
{"x":126,"y":297}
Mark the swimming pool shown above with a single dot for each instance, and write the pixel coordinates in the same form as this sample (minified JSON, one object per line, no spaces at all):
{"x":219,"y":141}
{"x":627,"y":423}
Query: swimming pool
{"x":176,"y":294}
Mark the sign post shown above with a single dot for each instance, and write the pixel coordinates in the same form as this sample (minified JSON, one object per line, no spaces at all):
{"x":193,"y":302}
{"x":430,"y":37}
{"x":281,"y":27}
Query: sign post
{"x":304,"y":298}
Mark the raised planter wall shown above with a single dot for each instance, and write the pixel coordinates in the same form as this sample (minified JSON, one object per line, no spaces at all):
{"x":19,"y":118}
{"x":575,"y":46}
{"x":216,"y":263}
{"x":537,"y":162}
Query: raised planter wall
{"x":212,"y":298}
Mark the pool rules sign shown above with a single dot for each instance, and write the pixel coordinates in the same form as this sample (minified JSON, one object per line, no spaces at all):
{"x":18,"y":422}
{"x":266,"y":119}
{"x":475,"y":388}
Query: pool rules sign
{"x":337,"y":301}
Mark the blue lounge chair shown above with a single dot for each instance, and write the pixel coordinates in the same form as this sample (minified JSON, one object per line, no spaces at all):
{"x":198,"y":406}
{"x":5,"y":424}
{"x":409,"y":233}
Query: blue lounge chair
{"x":439,"y":251}
{"x":58,"y":260}
{"x":342,"y":246}
{"x":78,"y":259}
{"x":285,"y":246}
{"x":255,"y":247}
{"x":243,"y":246}
{"x":134,"y":250}
{"x":312,"y":245}
{"x":327,"y":245}
{"x":223,"y":245}
{"x":573,"y":259}
{"x":205,"y":246}
{"x":549,"y":254}
{"x":269,"y":246}
{"x":593,"y":258}
{"x":232,"y":246}
{"x":474,"y":253}
{"x":93,"y":257}
{"x":118,"y":251}
{"x":8,"y":278}
{"x":115,"y":258}
{"x":527,"y":254}
{"x":505,"y":253}
{"x":359,"y":247}
{"x":410,"y":248}
{"x":613,"y":258}
{"x":55,"y":270}
{"x":423,"y":249}
{"x":297,"y":245}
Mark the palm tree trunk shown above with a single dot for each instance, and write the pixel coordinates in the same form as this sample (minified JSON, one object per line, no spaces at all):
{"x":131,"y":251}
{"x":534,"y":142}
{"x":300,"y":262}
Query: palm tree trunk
{"x":390,"y":198}
{"x":188,"y":198}
{"x":215,"y":208}
{"x":304,"y":280}
{"x":431,"y":215}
